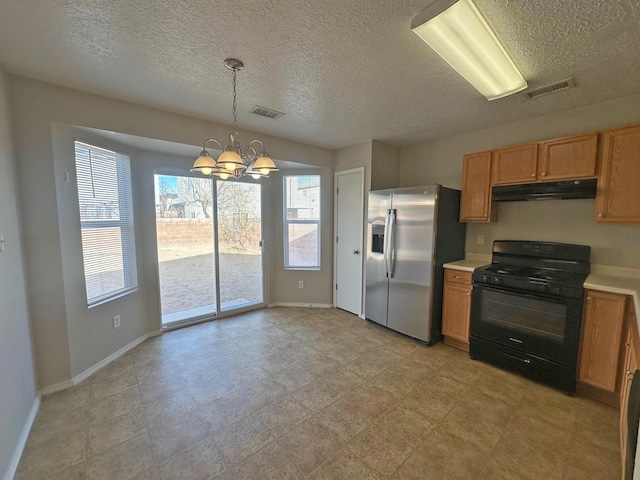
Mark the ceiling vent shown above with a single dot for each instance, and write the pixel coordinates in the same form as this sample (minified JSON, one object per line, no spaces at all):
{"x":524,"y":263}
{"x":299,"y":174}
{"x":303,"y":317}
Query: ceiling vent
{"x":266,"y":112}
{"x":551,"y":88}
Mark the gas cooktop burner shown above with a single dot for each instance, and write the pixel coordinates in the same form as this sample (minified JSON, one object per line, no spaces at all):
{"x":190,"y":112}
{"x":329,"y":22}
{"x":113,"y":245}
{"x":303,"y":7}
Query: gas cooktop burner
{"x":555,"y":270}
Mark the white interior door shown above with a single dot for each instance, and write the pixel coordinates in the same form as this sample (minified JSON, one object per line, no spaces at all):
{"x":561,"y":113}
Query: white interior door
{"x":349,"y":253}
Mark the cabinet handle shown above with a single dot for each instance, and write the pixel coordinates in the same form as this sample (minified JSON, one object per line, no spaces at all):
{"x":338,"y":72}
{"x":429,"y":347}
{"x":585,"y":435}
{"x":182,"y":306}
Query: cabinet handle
{"x":468,"y":294}
{"x":533,"y":175}
{"x":600,"y":215}
{"x":628,"y":344}
{"x":543,"y":174}
{"x":629,"y":374}
{"x":588,"y":299}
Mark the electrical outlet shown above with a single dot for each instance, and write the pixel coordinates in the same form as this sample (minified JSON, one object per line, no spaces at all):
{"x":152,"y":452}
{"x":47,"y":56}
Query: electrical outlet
{"x":300,"y":284}
{"x":480,"y":239}
{"x":116,"y":321}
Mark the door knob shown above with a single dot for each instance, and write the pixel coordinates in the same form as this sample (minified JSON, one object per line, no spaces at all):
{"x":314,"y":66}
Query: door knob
{"x":356,"y":252}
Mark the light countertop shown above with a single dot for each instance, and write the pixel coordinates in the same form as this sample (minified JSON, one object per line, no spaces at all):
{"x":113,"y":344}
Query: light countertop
{"x":467,"y":265}
{"x":625,"y":285}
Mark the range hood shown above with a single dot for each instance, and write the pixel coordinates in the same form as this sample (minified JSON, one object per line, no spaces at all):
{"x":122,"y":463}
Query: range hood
{"x":545,"y":190}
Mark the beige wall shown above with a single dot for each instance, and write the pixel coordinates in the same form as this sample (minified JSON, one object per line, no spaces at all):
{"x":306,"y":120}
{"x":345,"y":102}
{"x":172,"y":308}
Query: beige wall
{"x":283,"y":283}
{"x":385,"y":166}
{"x":68,"y":337}
{"x":569,"y":221}
{"x":17,"y":373}
{"x":353,"y":156}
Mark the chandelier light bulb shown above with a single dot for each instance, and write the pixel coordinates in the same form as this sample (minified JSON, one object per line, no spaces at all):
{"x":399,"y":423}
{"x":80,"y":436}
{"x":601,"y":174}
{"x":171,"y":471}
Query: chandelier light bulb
{"x":206,"y":170}
{"x":230,"y":166}
{"x":224,"y":176}
{"x":264,"y":171}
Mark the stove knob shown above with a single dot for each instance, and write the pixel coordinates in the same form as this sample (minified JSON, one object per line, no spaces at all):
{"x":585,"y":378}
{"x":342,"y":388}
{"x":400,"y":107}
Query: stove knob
{"x":485,"y":278}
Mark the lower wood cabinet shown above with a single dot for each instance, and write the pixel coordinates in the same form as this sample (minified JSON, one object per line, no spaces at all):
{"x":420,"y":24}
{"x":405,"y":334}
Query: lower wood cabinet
{"x":609,"y":354}
{"x":602,"y":327}
{"x":456,"y":308}
{"x":631,"y":349}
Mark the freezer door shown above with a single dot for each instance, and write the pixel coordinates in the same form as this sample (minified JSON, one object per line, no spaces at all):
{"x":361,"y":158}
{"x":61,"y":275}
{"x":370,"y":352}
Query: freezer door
{"x":411,"y":250}
{"x":377,"y":285}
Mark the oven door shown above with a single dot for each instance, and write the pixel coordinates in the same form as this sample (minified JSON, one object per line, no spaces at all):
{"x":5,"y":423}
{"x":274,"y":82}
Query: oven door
{"x":546,"y":326}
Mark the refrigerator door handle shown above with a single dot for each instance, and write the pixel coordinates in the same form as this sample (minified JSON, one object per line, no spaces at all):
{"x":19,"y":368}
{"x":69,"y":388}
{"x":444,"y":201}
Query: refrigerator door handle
{"x":392,"y":242}
{"x":385,"y":243}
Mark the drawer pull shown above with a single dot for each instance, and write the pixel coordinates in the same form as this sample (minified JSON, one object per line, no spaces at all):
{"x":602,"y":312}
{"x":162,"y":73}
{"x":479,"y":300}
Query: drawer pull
{"x":458,"y":277}
{"x":515,"y":357}
{"x":629,"y":375}
{"x":515,"y":340}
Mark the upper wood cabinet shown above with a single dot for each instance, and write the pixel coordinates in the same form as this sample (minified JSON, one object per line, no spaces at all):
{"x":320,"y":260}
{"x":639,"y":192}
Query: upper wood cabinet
{"x":618,"y":198}
{"x":515,"y":164}
{"x":559,"y":159}
{"x":602,"y":328}
{"x":568,"y":158}
{"x":475,"y":200}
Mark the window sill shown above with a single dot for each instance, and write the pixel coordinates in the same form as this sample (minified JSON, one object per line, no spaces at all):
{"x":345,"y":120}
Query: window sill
{"x":113,"y":297}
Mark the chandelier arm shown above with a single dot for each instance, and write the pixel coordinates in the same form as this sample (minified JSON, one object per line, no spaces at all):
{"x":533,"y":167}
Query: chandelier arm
{"x":249,"y":147}
{"x":256,"y":141}
{"x":204,"y":145}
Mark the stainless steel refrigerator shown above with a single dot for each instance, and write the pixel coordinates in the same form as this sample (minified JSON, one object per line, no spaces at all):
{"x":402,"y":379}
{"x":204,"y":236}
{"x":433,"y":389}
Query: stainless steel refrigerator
{"x":411,"y":232}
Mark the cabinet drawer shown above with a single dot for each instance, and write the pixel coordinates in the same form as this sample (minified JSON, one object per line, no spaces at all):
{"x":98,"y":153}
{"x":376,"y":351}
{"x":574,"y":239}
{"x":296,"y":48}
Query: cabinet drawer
{"x":457,"y":276}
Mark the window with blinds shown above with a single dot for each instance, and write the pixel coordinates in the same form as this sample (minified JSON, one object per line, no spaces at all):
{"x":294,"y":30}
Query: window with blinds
{"x":106,"y":217}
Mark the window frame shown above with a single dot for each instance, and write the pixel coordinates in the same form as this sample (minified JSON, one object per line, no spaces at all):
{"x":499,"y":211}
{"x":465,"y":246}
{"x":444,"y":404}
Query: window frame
{"x":287,"y":221}
{"x":125,"y":224}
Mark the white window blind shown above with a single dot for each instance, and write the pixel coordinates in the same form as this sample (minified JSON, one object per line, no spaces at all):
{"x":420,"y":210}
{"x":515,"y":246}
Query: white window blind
{"x":302,"y":222}
{"x":106,"y":217}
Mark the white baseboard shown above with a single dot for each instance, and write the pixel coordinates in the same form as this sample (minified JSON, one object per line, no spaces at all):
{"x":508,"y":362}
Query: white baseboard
{"x":157,"y":333}
{"x":12,"y":468}
{"x":56,"y":387}
{"x":103,"y":363}
{"x":305,"y":305}
{"x":115,"y":355}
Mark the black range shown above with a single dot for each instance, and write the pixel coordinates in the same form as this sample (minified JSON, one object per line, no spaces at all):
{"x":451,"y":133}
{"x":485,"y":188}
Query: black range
{"x":526,"y":309}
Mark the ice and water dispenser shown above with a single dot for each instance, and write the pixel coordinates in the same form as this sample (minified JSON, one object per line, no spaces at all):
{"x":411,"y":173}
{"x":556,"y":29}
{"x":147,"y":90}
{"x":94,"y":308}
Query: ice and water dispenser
{"x":377,"y":239}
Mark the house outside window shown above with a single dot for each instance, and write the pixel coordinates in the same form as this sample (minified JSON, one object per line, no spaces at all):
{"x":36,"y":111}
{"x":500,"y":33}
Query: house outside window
{"x":106,"y":218}
{"x":302,"y":222}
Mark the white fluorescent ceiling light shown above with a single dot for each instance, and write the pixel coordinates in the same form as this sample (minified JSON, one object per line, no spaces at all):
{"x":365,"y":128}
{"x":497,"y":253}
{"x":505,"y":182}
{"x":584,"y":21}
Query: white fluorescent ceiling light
{"x":459,"y":34}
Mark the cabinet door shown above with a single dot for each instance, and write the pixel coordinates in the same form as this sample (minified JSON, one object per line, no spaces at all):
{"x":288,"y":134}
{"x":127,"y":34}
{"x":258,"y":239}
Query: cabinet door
{"x":618,"y":198}
{"x":629,"y":367}
{"x":515,"y":164}
{"x":601,"y":338}
{"x":456,"y":307}
{"x":570,"y":157}
{"x":475,"y":200}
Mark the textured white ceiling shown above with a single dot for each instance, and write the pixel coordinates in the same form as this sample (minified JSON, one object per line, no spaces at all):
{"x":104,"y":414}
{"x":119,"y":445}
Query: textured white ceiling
{"x":343,"y":71}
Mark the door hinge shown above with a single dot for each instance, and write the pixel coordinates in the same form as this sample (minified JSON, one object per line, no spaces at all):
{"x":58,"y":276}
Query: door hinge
{"x":336,"y":286}
{"x":337,"y":191}
{"x":336,"y":239}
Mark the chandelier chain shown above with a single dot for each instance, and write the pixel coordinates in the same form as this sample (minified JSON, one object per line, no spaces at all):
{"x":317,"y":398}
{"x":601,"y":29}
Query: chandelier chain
{"x":235,"y":113}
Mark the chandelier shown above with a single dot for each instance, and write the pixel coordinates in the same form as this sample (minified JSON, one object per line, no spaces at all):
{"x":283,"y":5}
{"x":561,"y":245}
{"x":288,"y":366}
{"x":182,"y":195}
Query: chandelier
{"x":234,"y":162}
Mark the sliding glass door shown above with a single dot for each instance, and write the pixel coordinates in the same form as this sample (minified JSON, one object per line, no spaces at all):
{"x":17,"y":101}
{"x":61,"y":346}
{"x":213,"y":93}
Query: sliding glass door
{"x":209,"y":236}
{"x":239,"y":243}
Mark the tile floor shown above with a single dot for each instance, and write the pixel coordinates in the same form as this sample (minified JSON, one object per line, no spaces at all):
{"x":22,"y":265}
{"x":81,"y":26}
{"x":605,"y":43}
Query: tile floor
{"x":289,"y":393}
